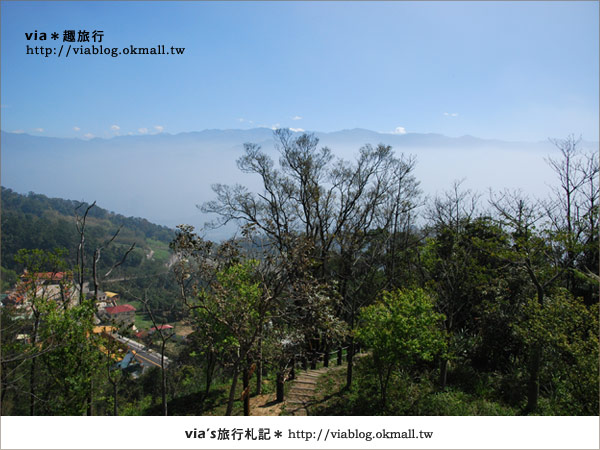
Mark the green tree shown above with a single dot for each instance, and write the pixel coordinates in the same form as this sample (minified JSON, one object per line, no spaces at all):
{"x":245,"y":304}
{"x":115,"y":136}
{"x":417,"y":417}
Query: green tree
{"x":536,"y":252}
{"x":71,"y":356}
{"x":237,"y":302}
{"x":40,"y":269}
{"x":402,"y":328}
{"x":567,"y":333}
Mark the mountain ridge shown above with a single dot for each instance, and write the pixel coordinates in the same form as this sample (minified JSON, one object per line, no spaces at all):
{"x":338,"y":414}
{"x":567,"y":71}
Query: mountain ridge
{"x":269,"y":131}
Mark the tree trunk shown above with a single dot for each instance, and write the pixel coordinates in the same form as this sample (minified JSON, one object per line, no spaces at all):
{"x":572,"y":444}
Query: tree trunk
{"x":280,"y":385}
{"x":350,"y":356}
{"x":232,"y":390}
{"x":3,"y":388}
{"x":340,"y":356}
{"x":535,"y":361}
{"x":33,"y":368}
{"x":533,"y":384}
{"x":32,"y":387}
{"x":326,"y":356}
{"x":246,"y":390}
{"x":383,"y":388}
{"x":164,"y":378}
{"x":443,"y":372}
{"x":115,"y":407}
{"x":210,"y":368}
{"x":90,"y":398}
{"x":259,"y":368}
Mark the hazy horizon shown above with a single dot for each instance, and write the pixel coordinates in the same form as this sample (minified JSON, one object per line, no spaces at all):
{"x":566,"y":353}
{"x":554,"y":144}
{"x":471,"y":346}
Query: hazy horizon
{"x":163,"y":177}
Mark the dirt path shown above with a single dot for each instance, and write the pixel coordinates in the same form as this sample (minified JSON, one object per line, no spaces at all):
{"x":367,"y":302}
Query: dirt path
{"x":265,"y":405}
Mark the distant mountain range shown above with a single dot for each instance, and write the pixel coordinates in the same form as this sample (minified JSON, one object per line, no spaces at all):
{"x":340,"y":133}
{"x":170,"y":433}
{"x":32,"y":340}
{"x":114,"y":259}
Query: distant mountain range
{"x":163,"y":177}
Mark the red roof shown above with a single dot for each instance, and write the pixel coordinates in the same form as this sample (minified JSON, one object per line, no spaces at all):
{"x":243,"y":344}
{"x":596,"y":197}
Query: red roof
{"x":119,"y":309}
{"x":161,"y":327}
{"x":52,"y":276}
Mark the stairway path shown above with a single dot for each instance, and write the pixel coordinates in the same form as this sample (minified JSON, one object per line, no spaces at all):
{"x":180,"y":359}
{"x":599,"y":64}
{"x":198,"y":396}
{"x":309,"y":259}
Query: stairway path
{"x":303,"y":391}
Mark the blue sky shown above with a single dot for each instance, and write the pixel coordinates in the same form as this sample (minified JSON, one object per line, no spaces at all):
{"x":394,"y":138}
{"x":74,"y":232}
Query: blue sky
{"x":507,"y":70}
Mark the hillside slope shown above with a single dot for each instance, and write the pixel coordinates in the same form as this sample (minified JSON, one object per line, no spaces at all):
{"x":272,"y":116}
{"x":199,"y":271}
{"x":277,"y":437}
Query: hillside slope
{"x":36,"y":221}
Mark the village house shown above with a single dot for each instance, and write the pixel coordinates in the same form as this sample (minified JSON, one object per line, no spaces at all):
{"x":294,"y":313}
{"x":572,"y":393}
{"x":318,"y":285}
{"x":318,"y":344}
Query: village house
{"x":112,"y":297}
{"x":161,"y":327}
{"x":121,"y":315}
{"x":103,"y":301}
{"x":56,"y":286}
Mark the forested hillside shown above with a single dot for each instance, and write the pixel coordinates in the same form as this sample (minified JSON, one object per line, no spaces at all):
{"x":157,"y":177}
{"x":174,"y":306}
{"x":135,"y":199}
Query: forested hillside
{"x":34,"y":221}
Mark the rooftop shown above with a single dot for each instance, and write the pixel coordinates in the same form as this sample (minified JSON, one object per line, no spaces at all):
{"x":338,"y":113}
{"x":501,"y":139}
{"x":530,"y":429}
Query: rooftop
{"x":120,"y":309}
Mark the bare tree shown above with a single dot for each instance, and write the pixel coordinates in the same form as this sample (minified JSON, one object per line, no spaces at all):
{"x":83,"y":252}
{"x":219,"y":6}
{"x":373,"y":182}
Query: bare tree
{"x":333,"y":204}
{"x":159,"y":327}
{"x":96,"y":260}
{"x":80,"y":223}
{"x":573,"y":209}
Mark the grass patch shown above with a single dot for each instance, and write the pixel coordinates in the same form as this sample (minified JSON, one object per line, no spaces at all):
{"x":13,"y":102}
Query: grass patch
{"x":142,"y":321}
{"x":161,"y":250}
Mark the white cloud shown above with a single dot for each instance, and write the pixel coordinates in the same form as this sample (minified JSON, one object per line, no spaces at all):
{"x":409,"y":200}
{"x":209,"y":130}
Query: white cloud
{"x":296,"y":130}
{"x":115,"y":127}
{"x":159,"y":128}
{"x":275,"y":127}
{"x":296,"y":118}
{"x":76,"y":129}
{"x":39,"y":130}
{"x":399,"y":130}
{"x":19,"y":131}
{"x":88,"y":135}
{"x":142,"y":130}
{"x":451,"y":114}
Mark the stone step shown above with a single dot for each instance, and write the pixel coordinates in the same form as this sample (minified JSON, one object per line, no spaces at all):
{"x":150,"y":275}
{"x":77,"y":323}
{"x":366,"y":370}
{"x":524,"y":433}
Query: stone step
{"x":298,"y":388}
{"x":299,"y":396}
{"x":309,"y":382}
